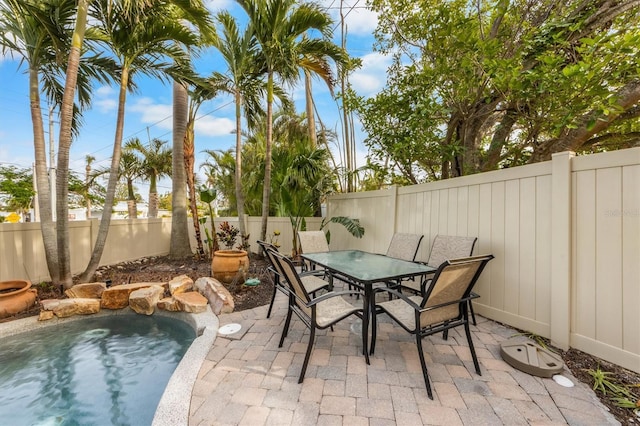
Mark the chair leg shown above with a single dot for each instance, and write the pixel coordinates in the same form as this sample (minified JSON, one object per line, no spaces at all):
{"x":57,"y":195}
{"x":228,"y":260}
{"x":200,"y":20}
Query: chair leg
{"x":423,"y":364}
{"x":473,"y":315}
{"x":471,"y":348}
{"x":285,"y":330}
{"x":312,"y":336}
{"x":273,"y":298}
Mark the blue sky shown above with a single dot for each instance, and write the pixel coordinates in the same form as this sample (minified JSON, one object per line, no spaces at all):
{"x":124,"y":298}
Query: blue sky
{"x":149,"y":111}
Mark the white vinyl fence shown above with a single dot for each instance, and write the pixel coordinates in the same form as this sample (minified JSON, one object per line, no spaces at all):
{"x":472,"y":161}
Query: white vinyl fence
{"x":22,"y":250}
{"x":565,"y":235}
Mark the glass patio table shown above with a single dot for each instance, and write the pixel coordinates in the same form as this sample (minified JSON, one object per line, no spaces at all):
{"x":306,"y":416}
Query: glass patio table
{"x":364,"y":270}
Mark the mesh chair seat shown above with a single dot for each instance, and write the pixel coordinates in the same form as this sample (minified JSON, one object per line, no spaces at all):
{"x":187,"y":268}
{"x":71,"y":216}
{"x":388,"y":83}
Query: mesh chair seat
{"x":313,"y":283}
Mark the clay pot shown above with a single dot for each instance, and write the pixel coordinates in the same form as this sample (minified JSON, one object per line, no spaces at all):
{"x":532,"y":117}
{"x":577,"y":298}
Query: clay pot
{"x":226,"y":264}
{"x":15,"y":297}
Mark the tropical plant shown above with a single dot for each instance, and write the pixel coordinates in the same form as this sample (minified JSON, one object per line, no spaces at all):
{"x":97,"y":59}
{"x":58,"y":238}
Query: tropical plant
{"x":242,"y":80}
{"x":130,"y":169}
{"x":207,"y":196}
{"x":199,"y":23}
{"x":228,"y":234}
{"x":155,"y":163}
{"x":278,"y":27}
{"x":43,"y":33}
{"x":143,"y":42}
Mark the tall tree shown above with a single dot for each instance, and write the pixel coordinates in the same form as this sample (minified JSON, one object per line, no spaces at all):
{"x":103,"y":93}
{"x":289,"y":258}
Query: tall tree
{"x":478,"y":85}
{"x":144,"y":42}
{"x":130,"y":170}
{"x":201,"y":27}
{"x":155,"y":162}
{"x":279,"y":26}
{"x":179,"y":245}
{"x":43,"y":33}
{"x":242,"y":80}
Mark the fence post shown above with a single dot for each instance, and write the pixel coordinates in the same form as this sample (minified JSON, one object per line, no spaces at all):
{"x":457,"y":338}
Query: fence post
{"x":393,"y":195}
{"x":561,"y":201}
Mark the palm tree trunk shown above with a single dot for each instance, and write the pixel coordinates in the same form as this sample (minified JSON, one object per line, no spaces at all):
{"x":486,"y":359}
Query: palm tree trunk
{"x":179,"y":246}
{"x":66,"y":120}
{"x":103,"y":229}
{"x":132,"y":203}
{"x":311,"y":119}
{"x":47,"y":226}
{"x":239,"y":192}
{"x":153,"y":197}
{"x":266,"y":189}
{"x":189,"y":160}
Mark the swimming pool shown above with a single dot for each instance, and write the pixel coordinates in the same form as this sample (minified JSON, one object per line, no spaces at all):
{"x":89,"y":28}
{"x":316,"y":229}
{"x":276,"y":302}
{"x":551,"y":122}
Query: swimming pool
{"x":104,"y":370}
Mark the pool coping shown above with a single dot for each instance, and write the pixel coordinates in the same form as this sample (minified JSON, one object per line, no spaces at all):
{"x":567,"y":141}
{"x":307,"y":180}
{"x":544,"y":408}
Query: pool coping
{"x":174,"y":404}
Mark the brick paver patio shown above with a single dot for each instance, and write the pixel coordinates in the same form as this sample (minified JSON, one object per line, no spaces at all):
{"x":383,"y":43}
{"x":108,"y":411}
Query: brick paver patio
{"x":247,"y":380}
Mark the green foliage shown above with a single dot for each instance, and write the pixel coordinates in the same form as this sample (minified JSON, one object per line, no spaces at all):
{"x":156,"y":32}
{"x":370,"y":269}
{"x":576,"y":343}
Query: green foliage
{"x":228,"y":234}
{"x":604,"y":381}
{"x":207,"y":196}
{"x":352,"y":226}
{"x":16,"y":188}
{"x":476,"y":86}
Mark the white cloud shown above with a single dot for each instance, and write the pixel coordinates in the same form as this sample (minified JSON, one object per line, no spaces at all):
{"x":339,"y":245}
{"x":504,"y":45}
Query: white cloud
{"x":105,"y":91}
{"x":161,"y":115}
{"x":371,"y":77}
{"x":158,"y":114}
{"x":104,"y":99}
{"x":106,"y":105}
{"x":213,"y":126}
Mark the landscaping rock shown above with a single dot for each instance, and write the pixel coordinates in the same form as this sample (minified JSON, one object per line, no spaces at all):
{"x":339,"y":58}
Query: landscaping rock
{"x":192,"y":302}
{"x":45,"y":315}
{"x":117,"y":297}
{"x":144,"y":300}
{"x":86,"y":291}
{"x":219,"y":297}
{"x":180,"y":284}
{"x":63,"y":308}
{"x":169,"y":304}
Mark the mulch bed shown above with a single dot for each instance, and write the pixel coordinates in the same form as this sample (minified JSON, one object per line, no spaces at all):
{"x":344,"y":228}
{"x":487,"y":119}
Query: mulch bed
{"x":162,"y":268}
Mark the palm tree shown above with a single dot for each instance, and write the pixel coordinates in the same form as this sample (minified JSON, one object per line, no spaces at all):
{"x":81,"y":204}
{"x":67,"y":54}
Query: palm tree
{"x":130,"y":170}
{"x":155,"y":163}
{"x":41,"y":33}
{"x":242,"y":81}
{"x":144,"y":42}
{"x":279,"y":26}
{"x":202,"y":28}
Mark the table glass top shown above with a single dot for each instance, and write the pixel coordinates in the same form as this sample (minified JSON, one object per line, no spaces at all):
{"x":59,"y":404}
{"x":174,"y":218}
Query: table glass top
{"x":367,"y":267}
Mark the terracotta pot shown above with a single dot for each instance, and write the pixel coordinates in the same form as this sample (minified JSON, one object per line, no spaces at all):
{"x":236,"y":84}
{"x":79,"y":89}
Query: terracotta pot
{"x":226,"y":264}
{"x":16,"y":296}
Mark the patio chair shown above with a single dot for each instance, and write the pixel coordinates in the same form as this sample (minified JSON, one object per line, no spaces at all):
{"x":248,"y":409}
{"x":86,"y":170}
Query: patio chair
{"x":312,"y":242}
{"x":444,"y":247}
{"x":404,"y":247}
{"x":315,"y":312}
{"x":442,"y":307}
{"x":311,"y":281}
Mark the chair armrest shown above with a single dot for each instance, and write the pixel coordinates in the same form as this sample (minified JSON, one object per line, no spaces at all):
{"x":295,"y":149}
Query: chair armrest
{"x":399,"y":295}
{"x":331,"y":295}
{"x":453,"y":302}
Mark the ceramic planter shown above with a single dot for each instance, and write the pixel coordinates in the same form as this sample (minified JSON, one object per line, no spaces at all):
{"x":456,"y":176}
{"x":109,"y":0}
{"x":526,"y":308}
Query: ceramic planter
{"x":16,"y":296}
{"x":226,"y":264}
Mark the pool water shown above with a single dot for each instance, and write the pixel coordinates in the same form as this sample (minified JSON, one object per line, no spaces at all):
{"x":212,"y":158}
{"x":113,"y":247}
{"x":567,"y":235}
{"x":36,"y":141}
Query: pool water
{"x":97,"y":371}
